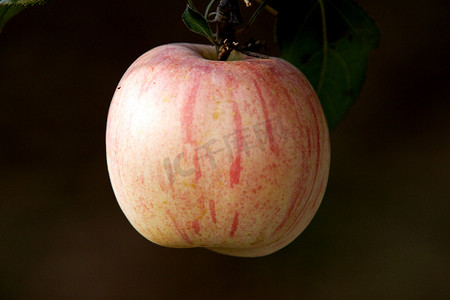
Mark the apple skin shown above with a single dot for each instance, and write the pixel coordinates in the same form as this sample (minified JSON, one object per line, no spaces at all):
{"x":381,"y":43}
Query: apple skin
{"x":231,"y":155}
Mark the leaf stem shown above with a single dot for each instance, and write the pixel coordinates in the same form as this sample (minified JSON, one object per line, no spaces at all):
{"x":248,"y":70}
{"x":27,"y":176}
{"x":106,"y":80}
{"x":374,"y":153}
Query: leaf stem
{"x":270,"y":9}
{"x":208,"y":8}
{"x":255,"y":14}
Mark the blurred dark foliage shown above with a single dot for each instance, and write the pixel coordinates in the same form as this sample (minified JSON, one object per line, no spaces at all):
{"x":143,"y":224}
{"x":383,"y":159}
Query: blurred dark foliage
{"x":382,"y":231}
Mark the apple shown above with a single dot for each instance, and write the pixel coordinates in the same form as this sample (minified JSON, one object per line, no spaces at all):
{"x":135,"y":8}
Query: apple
{"x":229,"y":155}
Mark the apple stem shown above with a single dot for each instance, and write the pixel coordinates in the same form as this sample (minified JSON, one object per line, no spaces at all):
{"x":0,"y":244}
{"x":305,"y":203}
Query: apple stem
{"x":226,"y":18}
{"x":228,"y":21}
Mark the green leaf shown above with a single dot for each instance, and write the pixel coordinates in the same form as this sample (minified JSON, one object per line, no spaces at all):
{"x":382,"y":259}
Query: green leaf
{"x":197,"y":23}
{"x":22,"y":2}
{"x":7,"y":12}
{"x":330,"y":42}
{"x":10,"y":8}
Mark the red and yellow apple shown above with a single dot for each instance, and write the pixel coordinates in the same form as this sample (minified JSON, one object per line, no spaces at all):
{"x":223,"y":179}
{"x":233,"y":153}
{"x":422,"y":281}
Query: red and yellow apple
{"x":229,"y":155}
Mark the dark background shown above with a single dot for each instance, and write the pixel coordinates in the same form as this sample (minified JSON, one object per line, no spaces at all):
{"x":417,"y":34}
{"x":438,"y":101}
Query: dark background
{"x":382,"y":231}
